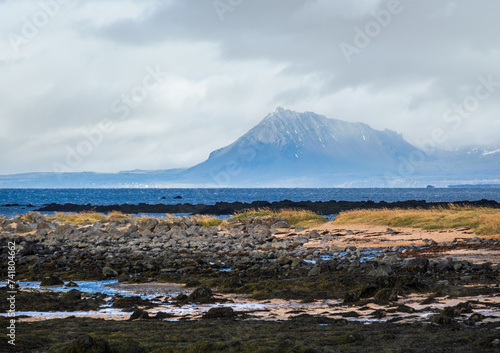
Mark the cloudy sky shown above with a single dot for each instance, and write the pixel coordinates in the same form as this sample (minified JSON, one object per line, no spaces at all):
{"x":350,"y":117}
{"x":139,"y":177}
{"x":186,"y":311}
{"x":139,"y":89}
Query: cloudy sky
{"x":110,"y":85}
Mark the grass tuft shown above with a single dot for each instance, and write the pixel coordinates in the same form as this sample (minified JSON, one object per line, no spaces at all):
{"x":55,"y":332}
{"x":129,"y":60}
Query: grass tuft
{"x":77,"y":218}
{"x":207,"y":221}
{"x":118,"y":215}
{"x":83,"y":217}
{"x":483,"y":220}
{"x":295,"y":217}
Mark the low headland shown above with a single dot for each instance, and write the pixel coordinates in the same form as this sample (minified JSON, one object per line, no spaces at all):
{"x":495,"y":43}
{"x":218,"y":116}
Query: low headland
{"x":264,"y":280}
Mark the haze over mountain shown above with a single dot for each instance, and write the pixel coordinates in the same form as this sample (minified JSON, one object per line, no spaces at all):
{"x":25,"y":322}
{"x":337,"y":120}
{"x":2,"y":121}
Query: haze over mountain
{"x":291,"y":149}
{"x":288,"y":147}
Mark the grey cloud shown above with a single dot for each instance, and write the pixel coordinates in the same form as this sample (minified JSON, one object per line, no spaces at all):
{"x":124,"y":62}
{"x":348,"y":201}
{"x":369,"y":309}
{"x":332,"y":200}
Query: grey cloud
{"x":264,"y":53}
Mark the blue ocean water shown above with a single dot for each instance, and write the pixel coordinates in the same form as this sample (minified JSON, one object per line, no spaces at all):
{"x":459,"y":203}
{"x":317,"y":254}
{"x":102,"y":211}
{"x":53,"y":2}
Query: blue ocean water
{"x":29,"y":199}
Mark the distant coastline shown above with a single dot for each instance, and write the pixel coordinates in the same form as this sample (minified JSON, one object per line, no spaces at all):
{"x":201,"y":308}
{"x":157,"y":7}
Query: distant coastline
{"x":475,"y":186}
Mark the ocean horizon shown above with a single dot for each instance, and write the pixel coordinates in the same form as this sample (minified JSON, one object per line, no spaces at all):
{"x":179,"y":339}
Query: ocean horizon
{"x":19,"y":201}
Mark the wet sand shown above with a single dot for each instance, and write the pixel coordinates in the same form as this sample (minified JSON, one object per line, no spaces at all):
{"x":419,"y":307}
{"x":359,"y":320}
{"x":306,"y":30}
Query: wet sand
{"x":366,"y":236}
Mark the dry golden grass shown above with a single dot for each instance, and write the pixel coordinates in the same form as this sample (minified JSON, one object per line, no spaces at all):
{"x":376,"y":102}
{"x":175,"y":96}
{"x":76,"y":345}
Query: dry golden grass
{"x":207,"y":221}
{"x":83,"y":217}
{"x":299,"y":218}
{"x":118,"y":215}
{"x":483,"y":220}
{"x":203,"y":220}
{"x":295,"y":217}
{"x":77,"y":218}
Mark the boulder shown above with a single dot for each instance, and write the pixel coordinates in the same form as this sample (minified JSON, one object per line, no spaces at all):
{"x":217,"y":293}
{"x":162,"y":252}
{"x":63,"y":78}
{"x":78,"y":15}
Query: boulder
{"x":386,"y":294}
{"x":51,"y":280}
{"x":131,"y":303}
{"x":379,"y":313}
{"x":296,"y":262}
{"x":283,"y":245}
{"x":476,"y":317}
{"x":219,"y":313}
{"x":335,"y":248}
{"x":161,"y":315}
{"x":443,"y":320}
{"x":42,"y":225}
{"x":284,"y":260}
{"x":23,"y":228}
{"x":139,"y":314}
{"x":351,"y":297}
{"x":108,"y":272}
{"x":390,"y":260}
{"x":378,"y":272}
{"x":315,"y":271}
{"x":73,"y":295}
{"x":202,"y":295}
{"x":147,"y":224}
{"x":182,"y":298}
{"x":34,"y":217}
{"x":405,"y":309}
{"x":314,"y":234}
{"x":381,"y":271}
{"x":282,"y":223}
{"x":417,"y":265}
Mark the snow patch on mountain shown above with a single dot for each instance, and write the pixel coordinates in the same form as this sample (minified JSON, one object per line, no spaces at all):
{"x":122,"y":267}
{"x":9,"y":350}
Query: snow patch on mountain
{"x":487,"y":153}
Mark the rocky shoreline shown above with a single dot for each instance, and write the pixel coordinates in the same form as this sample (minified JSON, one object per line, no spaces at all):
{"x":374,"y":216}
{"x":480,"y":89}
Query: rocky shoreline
{"x":340,"y":279}
{"x":228,"y":208}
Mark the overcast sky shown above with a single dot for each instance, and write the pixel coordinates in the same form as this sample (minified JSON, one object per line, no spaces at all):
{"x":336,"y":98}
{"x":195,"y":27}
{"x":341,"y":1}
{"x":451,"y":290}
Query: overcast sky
{"x":110,"y":85}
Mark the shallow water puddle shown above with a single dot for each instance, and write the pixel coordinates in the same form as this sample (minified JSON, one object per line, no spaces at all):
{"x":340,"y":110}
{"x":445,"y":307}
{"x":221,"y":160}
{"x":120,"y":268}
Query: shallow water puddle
{"x":111,"y":288}
{"x":83,"y":286}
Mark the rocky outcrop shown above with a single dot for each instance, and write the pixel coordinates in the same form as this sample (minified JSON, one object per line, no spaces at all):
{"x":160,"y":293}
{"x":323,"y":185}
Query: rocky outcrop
{"x":232,"y":257}
{"x":202,"y":295}
{"x":51,"y":281}
{"x":219,"y":313}
{"x":226,"y":208}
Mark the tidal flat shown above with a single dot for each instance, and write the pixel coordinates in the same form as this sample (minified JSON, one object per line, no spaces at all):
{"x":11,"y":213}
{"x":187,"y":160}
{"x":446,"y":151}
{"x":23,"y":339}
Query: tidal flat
{"x":249,"y":284}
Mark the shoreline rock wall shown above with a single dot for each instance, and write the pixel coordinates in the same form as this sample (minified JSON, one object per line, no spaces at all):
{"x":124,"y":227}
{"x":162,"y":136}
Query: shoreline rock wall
{"x":227,"y":208}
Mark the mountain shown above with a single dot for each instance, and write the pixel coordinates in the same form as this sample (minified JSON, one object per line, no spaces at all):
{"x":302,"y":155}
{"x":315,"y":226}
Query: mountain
{"x":471,"y":165}
{"x":125,"y":179}
{"x":289,"y":147}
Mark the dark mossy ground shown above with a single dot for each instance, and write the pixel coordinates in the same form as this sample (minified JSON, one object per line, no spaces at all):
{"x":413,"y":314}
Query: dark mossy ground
{"x":335,"y":284}
{"x":301,"y":334}
{"x":52,"y":301}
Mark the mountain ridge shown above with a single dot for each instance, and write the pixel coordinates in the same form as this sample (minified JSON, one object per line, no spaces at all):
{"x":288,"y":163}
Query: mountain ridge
{"x":304,"y":144}
{"x":292,"y":149}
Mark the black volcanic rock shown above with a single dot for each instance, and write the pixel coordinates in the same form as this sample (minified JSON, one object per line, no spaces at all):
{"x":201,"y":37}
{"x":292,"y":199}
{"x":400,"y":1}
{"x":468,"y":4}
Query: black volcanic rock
{"x":228,"y":208}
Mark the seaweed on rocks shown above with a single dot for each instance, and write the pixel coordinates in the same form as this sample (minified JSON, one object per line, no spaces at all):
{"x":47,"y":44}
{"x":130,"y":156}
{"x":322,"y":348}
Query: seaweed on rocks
{"x":219,"y":313}
{"x":131,"y":303}
{"x":202,"y":295}
{"x":73,"y":300}
{"x":225,"y":208}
